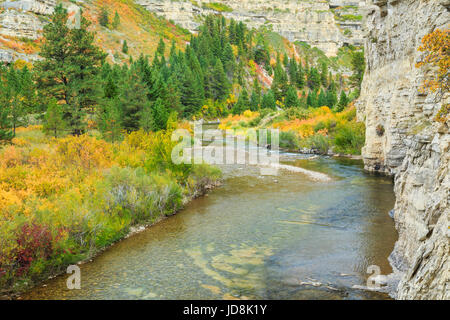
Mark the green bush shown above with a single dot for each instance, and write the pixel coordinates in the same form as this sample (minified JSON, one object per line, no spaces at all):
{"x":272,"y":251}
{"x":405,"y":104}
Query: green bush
{"x":318,"y":142}
{"x":349,"y":138}
{"x":289,"y":140}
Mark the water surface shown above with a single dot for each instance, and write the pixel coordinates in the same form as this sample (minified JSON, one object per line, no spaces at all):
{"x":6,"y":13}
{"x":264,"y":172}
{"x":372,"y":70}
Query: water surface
{"x":255,"y":237}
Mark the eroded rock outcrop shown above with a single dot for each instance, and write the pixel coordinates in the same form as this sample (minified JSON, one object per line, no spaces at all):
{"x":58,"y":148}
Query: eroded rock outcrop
{"x":20,"y":25}
{"x":402,"y":139}
{"x":309,"y":21}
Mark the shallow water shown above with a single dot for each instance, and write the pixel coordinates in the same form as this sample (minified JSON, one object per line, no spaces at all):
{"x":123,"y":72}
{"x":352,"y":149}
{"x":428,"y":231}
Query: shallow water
{"x":256,"y":237}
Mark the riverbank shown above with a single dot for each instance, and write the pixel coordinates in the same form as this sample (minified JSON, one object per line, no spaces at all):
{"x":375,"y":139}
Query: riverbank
{"x":320,"y":131}
{"x":255,"y":237}
{"x":65,"y":200}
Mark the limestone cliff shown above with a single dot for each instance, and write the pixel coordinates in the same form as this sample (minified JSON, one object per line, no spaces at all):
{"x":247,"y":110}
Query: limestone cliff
{"x":325,"y":24}
{"x":403,"y":140}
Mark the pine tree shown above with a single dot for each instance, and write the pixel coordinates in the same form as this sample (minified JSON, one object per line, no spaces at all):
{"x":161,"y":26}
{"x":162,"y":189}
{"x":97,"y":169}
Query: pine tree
{"x":103,"y":19}
{"x":358,"y":66}
{"x":125,"y":47}
{"x":300,"y":77}
{"x":160,"y":115}
{"x":324,"y":75}
{"x":69,"y":67}
{"x":343,"y":101}
{"x":219,"y":85}
{"x":6,"y":133}
{"x":280,"y":82}
{"x":116,"y":21}
{"x":331,"y":97}
{"x":314,"y":79}
{"x":255,"y":100}
{"x":322,"y":99}
{"x":268,"y":101}
{"x":161,"y":49}
{"x":133,"y":98}
{"x":242,"y":103}
{"x":293,"y":71}
{"x":146,"y":120}
{"x":54,"y":122}
{"x":19,"y":95}
{"x":291,"y":98}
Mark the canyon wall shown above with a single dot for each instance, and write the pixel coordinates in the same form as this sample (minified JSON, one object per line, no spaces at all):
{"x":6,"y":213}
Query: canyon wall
{"x":324,"y":24}
{"x":404,"y":140}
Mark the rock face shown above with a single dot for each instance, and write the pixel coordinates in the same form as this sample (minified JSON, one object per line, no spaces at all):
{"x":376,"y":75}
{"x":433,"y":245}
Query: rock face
{"x":20,"y":25}
{"x":402,"y":139}
{"x":35,"y":6}
{"x":319,"y":23}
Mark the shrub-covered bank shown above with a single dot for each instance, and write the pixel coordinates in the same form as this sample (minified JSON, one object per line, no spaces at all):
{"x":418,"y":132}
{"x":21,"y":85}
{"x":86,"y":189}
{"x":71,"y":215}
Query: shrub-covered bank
{"x":312,"y":130}
{"x":63,"y":200}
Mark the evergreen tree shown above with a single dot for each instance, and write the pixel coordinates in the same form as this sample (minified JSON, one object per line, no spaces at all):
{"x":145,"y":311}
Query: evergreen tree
{"x":312,"y":100}
{"x":69,"y":67}
{"x":314,"y":79}
{"x":300,"y":77}
{"x":132,"y":99}
{"x":116,"y":21}
{"x":110,"y":120}
{"x":219,"y":85}
{"x":291,"y":98}
{"x":104,"y":17}
{"x":125,"y":47}
{"x":242,"y":103}
{"x":358,"y":66}
{"x":161,"y":47}
{"x":331,"y":97}
{"x":146,"y":120}
{"x":324,"y":75}
{"x":19,"y":97}
{"x":343,"y":101}
{"x":285,"y":61}
{"x":268,"y":101}
{"x":255,"y":100}
{"x":322,"y":99}
{"x":6,"y":134}
{"x":293,"y":71}
{"x":280,"y":82}
{"x":54,"y":122}
{"x":160,"y":115}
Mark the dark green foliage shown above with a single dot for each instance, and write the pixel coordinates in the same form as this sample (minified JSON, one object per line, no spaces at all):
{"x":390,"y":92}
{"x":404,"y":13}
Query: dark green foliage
{"x":268,"y":101}
{"x":291,"y":98}
{"x":116,"y":21}
{"x":160,"y":115}
{"x":343,"y":101}
{"x":69,"y":68}
{"x":17,"y":95}
{"x":358,"y":66}
{"x":255,"y":100}
{"x":125,"y":47}
{"x":280,"y":82}
{"x":314,"y":79}
{"x":104,"y":17}
{"x":54,"y":122}
{"x":242,"y":104}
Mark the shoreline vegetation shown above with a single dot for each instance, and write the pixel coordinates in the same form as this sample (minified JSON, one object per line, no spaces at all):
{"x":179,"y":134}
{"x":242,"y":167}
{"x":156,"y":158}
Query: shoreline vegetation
{"x":317,"y":131}
{"x":65,"y":200}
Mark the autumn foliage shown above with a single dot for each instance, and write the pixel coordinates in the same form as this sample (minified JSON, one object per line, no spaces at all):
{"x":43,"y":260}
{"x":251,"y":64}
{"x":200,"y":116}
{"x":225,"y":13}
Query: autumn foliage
{"x":62,"y":200}
{"x":436,"y":46}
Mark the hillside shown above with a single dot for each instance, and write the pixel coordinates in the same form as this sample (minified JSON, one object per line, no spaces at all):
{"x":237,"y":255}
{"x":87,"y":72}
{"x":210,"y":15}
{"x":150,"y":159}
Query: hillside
{"x":21,"y":28}
{"x":327,"y":25}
